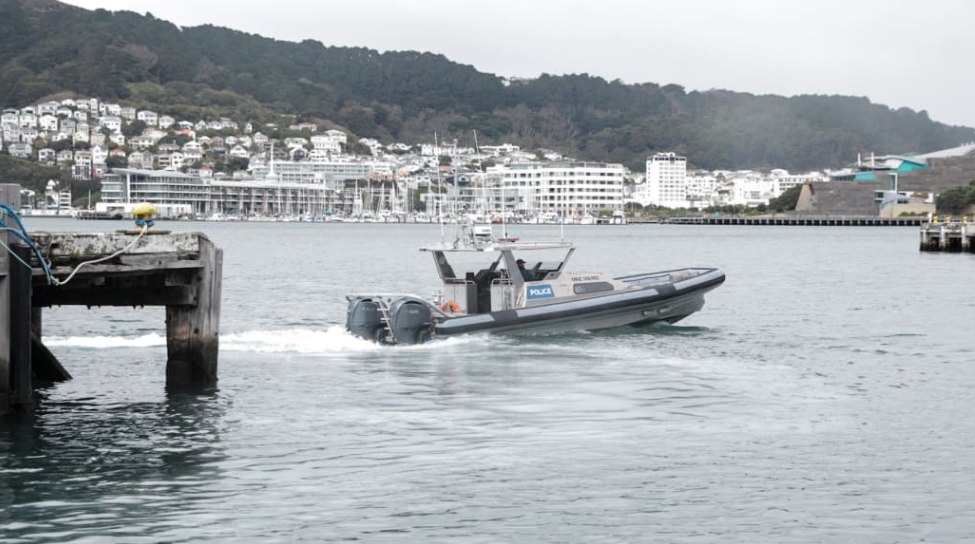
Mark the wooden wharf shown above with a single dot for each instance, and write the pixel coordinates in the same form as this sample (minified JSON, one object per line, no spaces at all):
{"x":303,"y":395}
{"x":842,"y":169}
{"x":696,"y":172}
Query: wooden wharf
{"x":948,"y":235}
{"x":181,"y":271}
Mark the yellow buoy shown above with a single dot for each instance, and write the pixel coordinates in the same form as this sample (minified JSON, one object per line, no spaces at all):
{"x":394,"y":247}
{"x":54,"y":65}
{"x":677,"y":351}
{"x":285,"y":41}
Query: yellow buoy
{"x":144,"y":214}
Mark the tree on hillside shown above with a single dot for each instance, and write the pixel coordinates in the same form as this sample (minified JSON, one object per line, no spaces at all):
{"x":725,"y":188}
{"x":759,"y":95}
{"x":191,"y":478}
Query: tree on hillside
{"x":786,"y":201}
{"x":956,"y":199}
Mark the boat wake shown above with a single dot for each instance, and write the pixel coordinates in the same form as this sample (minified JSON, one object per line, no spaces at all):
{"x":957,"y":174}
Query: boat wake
{"x":334,"y":339}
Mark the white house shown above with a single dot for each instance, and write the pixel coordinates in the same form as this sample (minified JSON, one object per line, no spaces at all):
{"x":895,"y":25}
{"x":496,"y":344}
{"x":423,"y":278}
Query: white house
{"x":28,"y":119}
{"x":176,"y":160}
{"x":192,"y":151}
{"x":82,"y":156}
{"x":48,"y":108}
{"x":150,"y":118}
{"x":338,"y":135}
{"x":20,"y":150}
{"x":326,"y":143}
{"x":127,"y":113}
{"x":65,"y":157}
{"x":238,"y":151}
{"x":47,"y":156}
{"x":113,"y":110}
{"x":141,"y":142}
{"x":80,"y":137}
{"x":48,"y":122}
{"x":166,"y":121}
{"x":111,"y":122}
{"x":117,"y":137}
{"x":99,"y":154}
{"x":142,"y":160}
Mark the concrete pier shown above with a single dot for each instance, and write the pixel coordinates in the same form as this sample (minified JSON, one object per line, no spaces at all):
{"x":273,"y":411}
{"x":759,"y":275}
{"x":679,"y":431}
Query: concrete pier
{"x":797,"y":221}
{"x":949,"y":235}
{"x":181,"y":271}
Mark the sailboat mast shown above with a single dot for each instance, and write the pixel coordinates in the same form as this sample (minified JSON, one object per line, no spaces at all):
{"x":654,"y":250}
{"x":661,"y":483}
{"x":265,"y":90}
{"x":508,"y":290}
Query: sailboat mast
{"x":436,"y":154}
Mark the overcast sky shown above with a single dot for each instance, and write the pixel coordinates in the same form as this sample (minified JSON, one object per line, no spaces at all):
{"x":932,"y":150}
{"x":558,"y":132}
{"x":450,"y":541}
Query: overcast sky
{"x":900,"y":53}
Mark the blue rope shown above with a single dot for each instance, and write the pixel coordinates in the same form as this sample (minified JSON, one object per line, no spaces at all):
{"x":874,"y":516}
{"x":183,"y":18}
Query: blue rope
{"x":23,"y":236}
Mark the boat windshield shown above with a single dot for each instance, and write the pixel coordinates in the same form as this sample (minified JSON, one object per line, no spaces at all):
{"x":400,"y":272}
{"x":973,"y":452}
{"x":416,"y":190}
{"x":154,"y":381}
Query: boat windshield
{"x":543,"y":261}
{"x":460,"y":265}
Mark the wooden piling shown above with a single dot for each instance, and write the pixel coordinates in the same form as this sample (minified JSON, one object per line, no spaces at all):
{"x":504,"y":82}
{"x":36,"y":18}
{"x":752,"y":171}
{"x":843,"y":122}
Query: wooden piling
{"x":21,"y":386}
{"x":5,"y":261}
{"x":193,"y":331}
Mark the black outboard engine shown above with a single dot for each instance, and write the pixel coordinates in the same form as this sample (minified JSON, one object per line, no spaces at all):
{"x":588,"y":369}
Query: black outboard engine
{"x":365,"y":319}
{"x":410,"y":320}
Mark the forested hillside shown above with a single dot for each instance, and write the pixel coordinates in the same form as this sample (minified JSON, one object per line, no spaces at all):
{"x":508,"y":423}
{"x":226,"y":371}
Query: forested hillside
{"x":47,"y":48}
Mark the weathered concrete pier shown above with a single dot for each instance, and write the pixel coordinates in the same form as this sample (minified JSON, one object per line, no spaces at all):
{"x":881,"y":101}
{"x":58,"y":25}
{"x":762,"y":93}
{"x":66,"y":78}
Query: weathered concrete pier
{"x":798,"y":221}
{"x":945,"y":234}
{"x":181,"y":271}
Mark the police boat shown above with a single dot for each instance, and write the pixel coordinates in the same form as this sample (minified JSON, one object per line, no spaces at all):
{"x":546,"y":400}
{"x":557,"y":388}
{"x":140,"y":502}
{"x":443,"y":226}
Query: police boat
{"x":504,"y":286}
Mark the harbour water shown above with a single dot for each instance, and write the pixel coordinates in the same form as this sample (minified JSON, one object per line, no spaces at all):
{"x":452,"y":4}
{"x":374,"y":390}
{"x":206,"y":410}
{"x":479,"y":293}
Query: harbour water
{"x":823,"y":394}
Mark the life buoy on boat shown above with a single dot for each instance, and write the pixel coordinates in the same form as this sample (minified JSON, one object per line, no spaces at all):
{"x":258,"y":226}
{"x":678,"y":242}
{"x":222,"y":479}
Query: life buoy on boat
{"x":452,"y":306}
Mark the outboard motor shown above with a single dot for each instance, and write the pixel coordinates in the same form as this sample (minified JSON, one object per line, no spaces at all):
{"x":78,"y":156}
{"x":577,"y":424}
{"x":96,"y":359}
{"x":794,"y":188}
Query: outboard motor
{"x":365,"y":319}
{"x":411,"y":320}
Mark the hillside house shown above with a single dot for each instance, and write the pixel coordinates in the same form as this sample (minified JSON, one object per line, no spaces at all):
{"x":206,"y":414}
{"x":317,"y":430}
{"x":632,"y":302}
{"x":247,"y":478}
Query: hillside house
{"x":47,"y":156}
{"x":166,"y":121}
{"x":82,"y":156}
{"x":127,"y":113}
{"x":142,"y":160}
{"x":20,"y":150}
{"x":150,"y":118}
{"x":99,"y":154}
{"x":338,"y":135}
{"x":48,"y":108}
{"x":48,"y":122}
{"x":111,"y":122}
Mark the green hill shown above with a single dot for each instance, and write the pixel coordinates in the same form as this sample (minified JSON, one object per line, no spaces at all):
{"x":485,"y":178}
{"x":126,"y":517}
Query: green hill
{"x":48,"y":48}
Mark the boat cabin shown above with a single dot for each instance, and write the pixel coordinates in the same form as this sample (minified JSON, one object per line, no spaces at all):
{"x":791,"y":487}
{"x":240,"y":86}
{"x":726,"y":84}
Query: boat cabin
{"x":493,"y":275}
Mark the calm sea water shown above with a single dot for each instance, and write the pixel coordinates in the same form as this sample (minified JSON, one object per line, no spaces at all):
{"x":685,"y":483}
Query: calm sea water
{"x":824,"y":394}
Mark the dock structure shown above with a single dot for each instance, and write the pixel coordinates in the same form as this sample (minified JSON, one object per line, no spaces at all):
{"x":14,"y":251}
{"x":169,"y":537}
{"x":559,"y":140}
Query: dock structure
{"x":952,"y":236}
{"x":181,"y":271}
{"x":799,"y":220}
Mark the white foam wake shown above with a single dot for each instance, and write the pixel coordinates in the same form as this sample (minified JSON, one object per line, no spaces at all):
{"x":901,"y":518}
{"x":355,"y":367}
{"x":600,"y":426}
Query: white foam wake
{"x":150,"y":340}
{"x":334,"y":339}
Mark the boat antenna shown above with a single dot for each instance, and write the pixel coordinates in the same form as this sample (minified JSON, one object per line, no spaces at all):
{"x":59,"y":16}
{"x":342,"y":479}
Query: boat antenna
{"x":436,"y":155}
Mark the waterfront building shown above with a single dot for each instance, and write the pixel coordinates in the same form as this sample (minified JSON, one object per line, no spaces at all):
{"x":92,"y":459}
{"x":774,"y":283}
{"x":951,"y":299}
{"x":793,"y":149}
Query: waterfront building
{"x":331,"y":172}
{"x":666,"y":183}
{"x":208,"y":197}
{"x":565,"y":188}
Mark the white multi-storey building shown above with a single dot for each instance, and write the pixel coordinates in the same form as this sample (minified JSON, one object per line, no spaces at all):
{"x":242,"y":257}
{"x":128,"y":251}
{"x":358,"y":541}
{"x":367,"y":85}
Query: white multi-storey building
{"x":565,"y":188}
{"x":666,"y":183}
